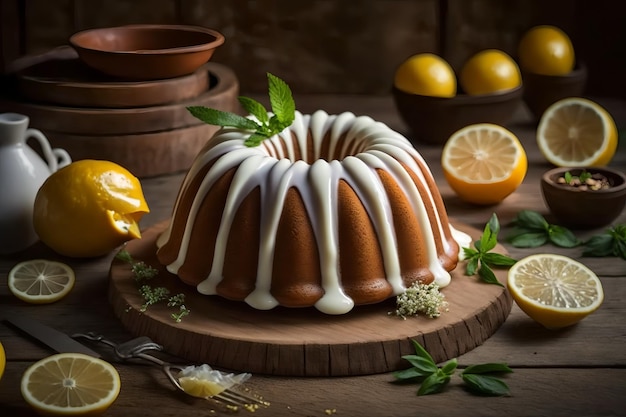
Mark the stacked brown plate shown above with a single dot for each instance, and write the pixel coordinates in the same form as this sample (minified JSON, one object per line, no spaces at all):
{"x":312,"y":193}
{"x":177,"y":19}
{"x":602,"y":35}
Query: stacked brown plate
{"x":141,"y":125}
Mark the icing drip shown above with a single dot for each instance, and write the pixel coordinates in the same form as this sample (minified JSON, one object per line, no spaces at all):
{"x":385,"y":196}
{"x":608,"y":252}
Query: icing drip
{"x":281,"y":163}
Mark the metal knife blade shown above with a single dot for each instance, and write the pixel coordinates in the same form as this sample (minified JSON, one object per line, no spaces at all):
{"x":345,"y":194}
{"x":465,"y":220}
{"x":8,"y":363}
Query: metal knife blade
{"x":51,"y":337}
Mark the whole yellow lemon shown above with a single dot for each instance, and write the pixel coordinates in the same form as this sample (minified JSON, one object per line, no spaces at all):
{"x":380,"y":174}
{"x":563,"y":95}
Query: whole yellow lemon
{"x":88,"y":208}
{"x":489,"y":71}
{"x":426,"y":74}
{"x":546,"y":50}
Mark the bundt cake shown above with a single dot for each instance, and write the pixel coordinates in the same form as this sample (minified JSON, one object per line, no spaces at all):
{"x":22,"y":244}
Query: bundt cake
{"x":335,"y":211}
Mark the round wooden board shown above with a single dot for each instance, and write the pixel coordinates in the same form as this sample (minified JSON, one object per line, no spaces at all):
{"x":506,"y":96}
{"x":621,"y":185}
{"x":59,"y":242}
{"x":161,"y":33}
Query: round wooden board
{"x":304,"y":342}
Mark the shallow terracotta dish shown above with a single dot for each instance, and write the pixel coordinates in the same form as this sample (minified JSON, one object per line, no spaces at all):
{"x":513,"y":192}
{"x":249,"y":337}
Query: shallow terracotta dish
{"x":584,"y":209}
{"x":433,"y":119}
{"x":146,"y":52}
{"x":540,"y":91}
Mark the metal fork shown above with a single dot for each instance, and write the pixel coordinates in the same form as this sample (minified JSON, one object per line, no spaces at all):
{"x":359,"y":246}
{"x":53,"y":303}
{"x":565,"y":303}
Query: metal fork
{"x":136,"y":349}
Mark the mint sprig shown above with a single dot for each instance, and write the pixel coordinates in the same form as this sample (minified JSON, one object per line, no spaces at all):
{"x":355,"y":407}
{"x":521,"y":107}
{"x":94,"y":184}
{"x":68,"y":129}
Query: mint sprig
{"x":610,"y":243}
{"x":531,"y":230}
{"x":479,"y":379}
{"x":481,"y":260}
{"x":283,"y":109}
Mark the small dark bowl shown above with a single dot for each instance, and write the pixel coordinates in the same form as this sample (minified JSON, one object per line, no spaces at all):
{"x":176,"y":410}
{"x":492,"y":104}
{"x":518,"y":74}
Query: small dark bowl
{"x":433,"y":119}
{"x":540,"y":91}
{"x":146,"y":52}
{"x":584,"y":209}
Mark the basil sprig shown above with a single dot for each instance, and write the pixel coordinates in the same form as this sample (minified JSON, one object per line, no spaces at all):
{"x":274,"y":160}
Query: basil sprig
{"x":531,"y":230}
{"x":479,"y":379}
{"x":610,"y":243}
{"x":283,"y":109}
{"x":481,"y":259}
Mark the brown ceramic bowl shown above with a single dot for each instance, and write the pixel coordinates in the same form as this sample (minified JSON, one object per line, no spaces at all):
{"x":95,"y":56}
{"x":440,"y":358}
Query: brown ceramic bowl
{"x":540,"y":91}
{"x":576,"y":208}
{"x":146,"y":52}
{"x":433,"y":119}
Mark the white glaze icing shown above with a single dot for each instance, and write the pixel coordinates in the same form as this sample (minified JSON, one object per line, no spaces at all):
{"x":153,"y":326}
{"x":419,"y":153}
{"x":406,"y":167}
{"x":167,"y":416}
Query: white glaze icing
{"x":274,"y":168}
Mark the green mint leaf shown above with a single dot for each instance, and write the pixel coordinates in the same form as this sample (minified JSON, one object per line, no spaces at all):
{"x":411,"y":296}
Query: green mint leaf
{"x":494,"y":224}
{"x":472,"y":265}
{"x":420,"y":351}
{"x":254,"y":108}
{"x":497,"y":259}
{"x":488,"y":240}
{"x":425,"y":365}
{"x":568,"y":177}
{"x":469,"y":253}
{"x":254,"y":139}
{"x":281,"y":100}
{"x":562,"y":237}
{"x":529,"y":240}
{"x":487,"y":275}
{"x":276,"y":125}
{"x":531,"y":220}
{"x":487,"y":368}
{"x":449,"y":367}
{"x":621,"y":250}
{"x":433,"y":384}
{"x":600,"y":245}
{"x":486,"y":385}
{"x":222,"y":118}
{"x":584,"y":176}
{"x":410,"y":374}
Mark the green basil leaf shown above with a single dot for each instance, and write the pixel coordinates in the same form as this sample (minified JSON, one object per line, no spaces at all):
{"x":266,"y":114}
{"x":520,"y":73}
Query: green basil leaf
{"x":254,"y":108}
{"x":532,"y":220}
{"x":497,"y":259}
{"x":487,"y":368}
{"x":487,"y":275}
{"x":222,"y":118}
{"x":562,"y":237}
{"x":433,"y":384}
{"x":620,"y":250}
{"x":529,"y":240}
{"x":449,"y":367}
{"x":486,"y":385}
{"x":568,"y":177}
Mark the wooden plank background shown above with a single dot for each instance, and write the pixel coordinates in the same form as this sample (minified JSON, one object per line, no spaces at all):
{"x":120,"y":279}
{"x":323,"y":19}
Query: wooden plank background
{"x":337,"y":46}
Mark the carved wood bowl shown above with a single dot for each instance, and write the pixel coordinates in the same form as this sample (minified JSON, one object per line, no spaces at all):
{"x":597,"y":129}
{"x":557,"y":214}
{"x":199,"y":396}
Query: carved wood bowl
{"x":433,"y":120}
{"x":584,"y":209}
{"x":146,"y":52}
{"x":541,"y":91}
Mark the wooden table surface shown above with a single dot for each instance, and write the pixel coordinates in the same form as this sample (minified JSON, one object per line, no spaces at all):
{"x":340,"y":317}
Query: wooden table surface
{"x":578,"y":371}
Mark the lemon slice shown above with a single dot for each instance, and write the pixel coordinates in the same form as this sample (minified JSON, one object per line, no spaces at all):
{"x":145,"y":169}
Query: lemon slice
{"x":40,"y":281}
{"x":70,"y":384}
{"x":576,"y":132}
{"x":201,"y":388}
{"x":3,"y":360}
{"x":554,"y":290}
{"x":484,"y":163}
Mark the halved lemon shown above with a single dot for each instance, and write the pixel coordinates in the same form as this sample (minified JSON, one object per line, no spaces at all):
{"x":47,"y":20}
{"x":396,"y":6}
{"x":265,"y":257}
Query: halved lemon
{"x":554,"y":290}
{"x":484,"y":163}
{"x":576,"y":132}
{"x":70,"y":384}
{"x":40,"y":281}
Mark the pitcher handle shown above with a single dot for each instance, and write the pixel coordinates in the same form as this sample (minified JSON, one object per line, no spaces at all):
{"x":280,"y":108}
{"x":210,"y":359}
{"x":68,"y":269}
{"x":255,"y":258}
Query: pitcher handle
{"x":55,"y":158}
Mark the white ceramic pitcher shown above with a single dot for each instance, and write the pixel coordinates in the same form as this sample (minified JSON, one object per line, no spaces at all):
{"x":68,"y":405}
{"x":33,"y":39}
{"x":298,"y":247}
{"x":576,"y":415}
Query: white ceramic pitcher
{"x":22,"y":172}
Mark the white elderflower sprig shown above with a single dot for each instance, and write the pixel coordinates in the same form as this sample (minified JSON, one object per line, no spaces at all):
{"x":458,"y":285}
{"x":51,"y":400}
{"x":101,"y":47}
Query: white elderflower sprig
{"x":421,"y":298}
